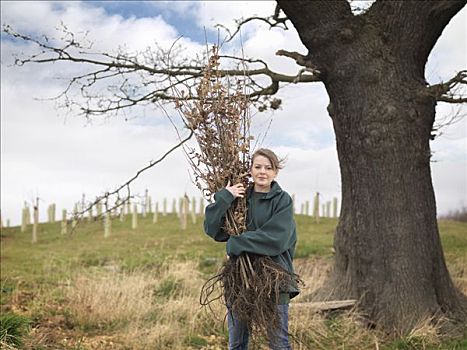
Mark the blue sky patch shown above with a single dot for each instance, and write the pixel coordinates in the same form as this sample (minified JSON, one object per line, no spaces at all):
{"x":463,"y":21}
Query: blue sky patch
{"x":185,"y":23}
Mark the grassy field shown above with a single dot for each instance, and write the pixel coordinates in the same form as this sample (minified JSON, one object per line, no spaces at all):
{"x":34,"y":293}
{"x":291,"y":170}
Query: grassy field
{"x":139,"y":289}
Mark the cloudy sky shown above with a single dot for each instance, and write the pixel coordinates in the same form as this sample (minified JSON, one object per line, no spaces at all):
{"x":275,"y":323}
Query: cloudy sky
{"x":56,"y":156}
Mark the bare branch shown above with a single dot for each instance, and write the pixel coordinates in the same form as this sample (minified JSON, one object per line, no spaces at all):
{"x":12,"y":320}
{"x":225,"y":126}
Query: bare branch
{"x":301,"y":60}
{"x":455,"y":116}
{"x":451,"y":91}
{"x":274,"y":21}
{"x":116,"y":195}
{"x":115,"y":82}
{"x":452,"y":99}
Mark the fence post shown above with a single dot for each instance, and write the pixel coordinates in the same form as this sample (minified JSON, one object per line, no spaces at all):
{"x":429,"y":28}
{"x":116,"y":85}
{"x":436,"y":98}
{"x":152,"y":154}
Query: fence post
{"x":53,"y":212}
{"x":24,"y":219}
{"x":201,"y":206}
{"x":99,"y":210}
{"x":334,"y":207}
{"x":134,"y":222}
{"x":64,"y":222}
{"x":28,"y":214}
{"x":75,"y":214}
{"x":183,"y":208}
{"x":122,"y":212}
{"x":164,"y":207}
{"x":107,"y":225}
{"x":180,"y":206}
{"x":144,"y":207}
{"x":36,"y":221}
{"x":83,"y":203}
{"x":149,"y":205}
{"x":186,"y":208}
{"x":156,"y":211}
{"x":316,"y":208}
{"x":128,"y":206}
{"x":193,"y":210}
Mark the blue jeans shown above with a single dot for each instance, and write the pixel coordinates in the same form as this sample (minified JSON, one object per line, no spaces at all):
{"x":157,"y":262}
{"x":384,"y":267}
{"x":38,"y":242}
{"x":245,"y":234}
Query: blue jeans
{"x":238,"y":332}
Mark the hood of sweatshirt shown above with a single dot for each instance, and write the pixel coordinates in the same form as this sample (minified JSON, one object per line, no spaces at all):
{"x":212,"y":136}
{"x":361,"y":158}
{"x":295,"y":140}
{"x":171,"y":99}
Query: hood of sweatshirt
{"x":274,"y":191}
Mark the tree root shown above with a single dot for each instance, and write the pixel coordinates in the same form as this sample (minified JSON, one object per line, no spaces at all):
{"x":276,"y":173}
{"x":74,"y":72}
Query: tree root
{"x":251,"y":286}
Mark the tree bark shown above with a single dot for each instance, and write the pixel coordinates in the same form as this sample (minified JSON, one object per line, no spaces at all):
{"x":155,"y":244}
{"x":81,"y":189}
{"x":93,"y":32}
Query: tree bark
{"x":388,"y":251}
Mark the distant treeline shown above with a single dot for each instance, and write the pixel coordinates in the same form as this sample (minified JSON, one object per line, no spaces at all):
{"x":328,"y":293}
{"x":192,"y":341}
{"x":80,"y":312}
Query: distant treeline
{"x":457,"y":215}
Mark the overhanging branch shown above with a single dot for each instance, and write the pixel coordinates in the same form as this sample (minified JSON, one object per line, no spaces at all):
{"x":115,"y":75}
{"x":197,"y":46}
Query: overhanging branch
{"x":115,"y":197}
{"x":273,"y":21}
{"x":451,"y":91}
{"x":144,"y":78}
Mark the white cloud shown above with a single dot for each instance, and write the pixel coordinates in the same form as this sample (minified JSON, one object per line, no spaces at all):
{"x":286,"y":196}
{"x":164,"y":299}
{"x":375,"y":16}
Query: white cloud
{"x":211,"y":13}
{"x":449,"y":54}
{"x":107,"y":32}
{"x":58,"y":158}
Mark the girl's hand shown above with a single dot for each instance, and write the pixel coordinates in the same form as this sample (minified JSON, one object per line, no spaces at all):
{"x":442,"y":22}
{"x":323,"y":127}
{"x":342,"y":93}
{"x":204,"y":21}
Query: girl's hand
{"x":237,"y":190}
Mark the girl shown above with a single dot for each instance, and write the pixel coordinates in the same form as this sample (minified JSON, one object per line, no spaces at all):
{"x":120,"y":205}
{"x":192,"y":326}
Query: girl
{"x":270,"y":231}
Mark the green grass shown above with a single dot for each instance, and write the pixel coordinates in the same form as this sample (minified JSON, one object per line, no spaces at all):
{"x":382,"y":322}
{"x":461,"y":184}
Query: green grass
{"x":453,"y":239}
{"x":13,"y":327}
{"x":55,"y":256}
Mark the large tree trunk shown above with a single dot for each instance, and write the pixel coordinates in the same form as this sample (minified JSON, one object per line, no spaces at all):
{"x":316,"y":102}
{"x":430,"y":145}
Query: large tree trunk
{"x":388,"y":250}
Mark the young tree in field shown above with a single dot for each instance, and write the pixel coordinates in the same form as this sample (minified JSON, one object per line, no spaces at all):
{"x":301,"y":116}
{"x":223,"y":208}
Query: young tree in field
{"x":388,"y":253}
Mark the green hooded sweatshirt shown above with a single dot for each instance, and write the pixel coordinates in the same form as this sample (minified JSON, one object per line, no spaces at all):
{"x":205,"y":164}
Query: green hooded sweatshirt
{"x":270,"y":226}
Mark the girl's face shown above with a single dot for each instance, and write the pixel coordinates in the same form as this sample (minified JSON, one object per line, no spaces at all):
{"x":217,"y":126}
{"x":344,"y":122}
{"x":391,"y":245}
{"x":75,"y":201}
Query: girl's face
{"x":262,"y":173}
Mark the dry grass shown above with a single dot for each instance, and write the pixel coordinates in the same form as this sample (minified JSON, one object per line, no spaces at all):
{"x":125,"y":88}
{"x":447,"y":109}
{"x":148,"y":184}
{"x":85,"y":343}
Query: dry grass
{"x":6,"y":346}
{"x":109,"y":299}
{"x":313,"y":272}
{"x":458,"y":272}
{"x":159,"y":309}
{"x":143,"y":309}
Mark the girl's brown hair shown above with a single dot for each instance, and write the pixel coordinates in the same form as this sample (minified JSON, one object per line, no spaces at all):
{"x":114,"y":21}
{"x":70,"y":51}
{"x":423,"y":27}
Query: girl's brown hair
{"x":276,"y":163}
